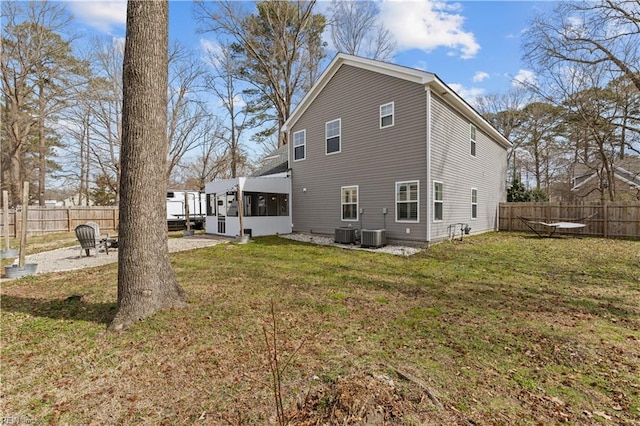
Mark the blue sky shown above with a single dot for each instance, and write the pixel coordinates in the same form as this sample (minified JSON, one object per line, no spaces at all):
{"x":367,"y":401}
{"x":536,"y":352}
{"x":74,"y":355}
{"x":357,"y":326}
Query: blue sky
{"x":474,"y":46}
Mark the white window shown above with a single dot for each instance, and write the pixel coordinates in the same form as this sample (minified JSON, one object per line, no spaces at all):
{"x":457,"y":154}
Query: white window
{"x":407,"y":201}
{"x":386,"y":115}
{"x":474,"y":203}
{"x":438,"y":201}
{"x":332,"y":132}
{"x":473,"y":140}
{"x":349,"y":202}
{"x":299,"y":145}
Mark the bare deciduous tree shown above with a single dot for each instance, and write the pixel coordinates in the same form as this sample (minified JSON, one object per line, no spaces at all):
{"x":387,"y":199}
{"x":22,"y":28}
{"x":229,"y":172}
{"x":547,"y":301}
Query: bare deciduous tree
{"x":223,"y":81}
{"x":281,"y":49}
{"x":504,"y":112}
{"x":355,"y":30}
{"x":187,"y":114}
{"x":602,"y":32}
{"x":37,"y":71}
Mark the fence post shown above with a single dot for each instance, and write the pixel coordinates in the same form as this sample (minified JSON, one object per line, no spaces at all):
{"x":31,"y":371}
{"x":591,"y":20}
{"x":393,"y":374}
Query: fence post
{"x":16,"y":221}
{"x":5,"y":219}
{"x":605,"y":213}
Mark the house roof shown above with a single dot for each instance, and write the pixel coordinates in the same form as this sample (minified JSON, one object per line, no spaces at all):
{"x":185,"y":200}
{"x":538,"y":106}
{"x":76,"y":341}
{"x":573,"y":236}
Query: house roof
{"x":628,"y":171}
{"x":275,"y":162}
{"x":427,"y":79}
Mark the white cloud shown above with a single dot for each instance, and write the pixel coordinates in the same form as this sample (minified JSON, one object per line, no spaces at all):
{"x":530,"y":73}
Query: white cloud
{"x":479,"y":76}
{"x":101,"y":15}
{"x":428,"y":25}
{"x":469,"y":94}
{"x":421,"y":65}
{"x":524,"y":78}
{"x":210,"y":46}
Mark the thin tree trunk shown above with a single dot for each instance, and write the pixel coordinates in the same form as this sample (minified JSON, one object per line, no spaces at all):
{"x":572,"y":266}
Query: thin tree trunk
{"x":42,"y":145}
{"x":146,"y":282}
{"x":15,"y":172}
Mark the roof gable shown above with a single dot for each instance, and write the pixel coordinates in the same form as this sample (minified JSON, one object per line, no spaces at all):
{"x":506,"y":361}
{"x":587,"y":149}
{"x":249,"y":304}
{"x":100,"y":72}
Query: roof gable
{"x":426,"y":79}
{"x":624,"y":174}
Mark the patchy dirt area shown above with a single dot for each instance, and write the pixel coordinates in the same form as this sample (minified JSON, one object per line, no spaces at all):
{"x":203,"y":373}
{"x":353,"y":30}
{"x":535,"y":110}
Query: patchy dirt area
{"x":369,"y":399}
{"x":69,"y":259}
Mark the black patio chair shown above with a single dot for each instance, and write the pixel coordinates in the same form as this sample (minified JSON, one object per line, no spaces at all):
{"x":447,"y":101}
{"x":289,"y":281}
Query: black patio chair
{"x":86,"y":234}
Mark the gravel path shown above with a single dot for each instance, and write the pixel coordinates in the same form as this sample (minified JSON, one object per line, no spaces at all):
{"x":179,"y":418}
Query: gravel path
{"x":68,"y":259}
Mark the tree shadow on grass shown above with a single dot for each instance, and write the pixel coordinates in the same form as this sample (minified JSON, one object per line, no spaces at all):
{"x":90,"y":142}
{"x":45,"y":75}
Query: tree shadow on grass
{"x":71,"y":308}
{"x":528,"y":299}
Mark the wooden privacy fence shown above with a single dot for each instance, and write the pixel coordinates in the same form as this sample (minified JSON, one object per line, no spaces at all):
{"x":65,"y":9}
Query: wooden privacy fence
{"x":44,"y":220}
{"x":614,"y":219}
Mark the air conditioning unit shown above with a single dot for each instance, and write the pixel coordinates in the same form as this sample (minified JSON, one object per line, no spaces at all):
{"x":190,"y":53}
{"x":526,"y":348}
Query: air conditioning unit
{"x":345,"y":236}
{"x":373,"y":238}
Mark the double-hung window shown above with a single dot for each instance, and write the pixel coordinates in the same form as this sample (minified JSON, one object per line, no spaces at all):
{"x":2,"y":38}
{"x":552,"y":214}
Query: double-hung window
{"x":473,"y":140}
{"x":386,"y":115}
{"x":407,"y":201}
{"x":438,"y":201}
{"x":349,"y":202}
{"x":474,"y":203}
{"x":332,"y":132}
{"x":299,"y":145}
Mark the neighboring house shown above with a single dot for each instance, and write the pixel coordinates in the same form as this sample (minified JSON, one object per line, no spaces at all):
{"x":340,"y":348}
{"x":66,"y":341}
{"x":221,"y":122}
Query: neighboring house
{"x":375,"y":145}
{"x":591,"y":183}
{"x":77,"y":200}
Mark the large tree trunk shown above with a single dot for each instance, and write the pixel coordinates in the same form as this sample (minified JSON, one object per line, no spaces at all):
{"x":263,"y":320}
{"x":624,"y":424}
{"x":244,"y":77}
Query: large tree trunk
{"x":146,"y":282}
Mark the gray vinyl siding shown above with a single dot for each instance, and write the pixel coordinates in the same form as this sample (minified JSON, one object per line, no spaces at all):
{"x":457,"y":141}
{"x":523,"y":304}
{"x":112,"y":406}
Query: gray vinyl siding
{"x":374,"y":159}
{"x":453,"y":164}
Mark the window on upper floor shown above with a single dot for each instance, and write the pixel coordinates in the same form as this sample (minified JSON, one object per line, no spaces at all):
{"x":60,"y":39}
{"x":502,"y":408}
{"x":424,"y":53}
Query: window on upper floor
{"x":299,"y":145}
{"x":332,"y":133}
{"x":474,"y":203}
{"x":407,"y":201}
{"x":349,"y":202}
{"x":386,"y":115}
{"x":473,"y":140}
{"x":438,"y":201}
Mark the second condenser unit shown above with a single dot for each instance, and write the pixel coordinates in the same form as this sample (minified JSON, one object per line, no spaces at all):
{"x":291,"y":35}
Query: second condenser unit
{"x":373,"y":238}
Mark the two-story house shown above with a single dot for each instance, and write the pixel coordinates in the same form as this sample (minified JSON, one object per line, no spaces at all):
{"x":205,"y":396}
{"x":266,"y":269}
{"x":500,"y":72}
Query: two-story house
{"x":375,"y":145}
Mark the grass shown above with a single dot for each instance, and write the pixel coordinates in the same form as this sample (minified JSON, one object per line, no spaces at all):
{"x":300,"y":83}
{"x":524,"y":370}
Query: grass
{"x":501,"y":328}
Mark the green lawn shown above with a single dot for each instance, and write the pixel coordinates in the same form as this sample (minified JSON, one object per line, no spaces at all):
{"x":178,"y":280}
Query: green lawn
{"x":498,"y":329}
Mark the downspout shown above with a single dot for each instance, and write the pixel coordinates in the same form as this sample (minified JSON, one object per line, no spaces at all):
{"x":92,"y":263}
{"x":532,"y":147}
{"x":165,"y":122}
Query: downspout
{"x":289,"y":175}
{"x":428,"y":164}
